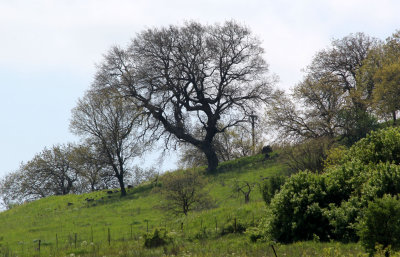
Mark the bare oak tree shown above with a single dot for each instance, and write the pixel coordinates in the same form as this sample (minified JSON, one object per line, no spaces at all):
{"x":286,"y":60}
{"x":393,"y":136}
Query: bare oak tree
{"x":191,"y":77}
{"x":110,"y":124}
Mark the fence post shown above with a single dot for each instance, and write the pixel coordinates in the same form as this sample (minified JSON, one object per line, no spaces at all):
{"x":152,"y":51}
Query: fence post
{"x":39,"y":245}
{"x":91,"y":233}
{"x":235,"y":226}
{"x":76,"y":235}
{"x":131,"y":232}
{"x":56,"y":241}
{"x":109,"y":237}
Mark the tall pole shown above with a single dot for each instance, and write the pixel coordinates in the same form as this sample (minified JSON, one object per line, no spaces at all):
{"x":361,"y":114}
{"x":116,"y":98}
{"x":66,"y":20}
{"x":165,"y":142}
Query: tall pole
{"x":253,"y":136}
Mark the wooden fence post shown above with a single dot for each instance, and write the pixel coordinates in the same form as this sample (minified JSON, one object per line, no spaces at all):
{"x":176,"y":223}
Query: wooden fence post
{"x":131,"y":232}
{"x":109,"y":237}
{"x":76,"y":235}
{"x":91,"y":233}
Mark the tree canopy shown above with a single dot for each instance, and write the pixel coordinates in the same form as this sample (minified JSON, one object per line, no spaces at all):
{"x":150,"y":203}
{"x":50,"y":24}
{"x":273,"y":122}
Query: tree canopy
{"x":191,"y":77}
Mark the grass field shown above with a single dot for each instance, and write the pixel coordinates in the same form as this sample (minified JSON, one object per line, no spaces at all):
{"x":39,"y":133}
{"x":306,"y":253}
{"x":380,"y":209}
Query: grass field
{"x":113,"y":226}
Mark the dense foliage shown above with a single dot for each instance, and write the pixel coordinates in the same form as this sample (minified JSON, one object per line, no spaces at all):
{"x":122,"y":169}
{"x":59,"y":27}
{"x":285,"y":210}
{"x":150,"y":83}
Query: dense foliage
{"x":333,"y":204}
{"x":381,"y":224}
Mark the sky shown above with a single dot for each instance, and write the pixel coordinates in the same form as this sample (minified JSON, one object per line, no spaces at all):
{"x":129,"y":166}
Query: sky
{"x":49,"y":50}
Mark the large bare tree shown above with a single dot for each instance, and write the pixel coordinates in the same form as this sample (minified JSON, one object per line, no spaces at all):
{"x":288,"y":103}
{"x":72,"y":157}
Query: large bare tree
{"x":191,"y":77}
{"x":111,"y":125}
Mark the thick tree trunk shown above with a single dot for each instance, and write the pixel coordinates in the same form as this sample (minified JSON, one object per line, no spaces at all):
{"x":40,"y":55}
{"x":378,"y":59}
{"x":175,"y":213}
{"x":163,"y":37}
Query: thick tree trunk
{"x":212,"y":158}
{"x":122,"y":185}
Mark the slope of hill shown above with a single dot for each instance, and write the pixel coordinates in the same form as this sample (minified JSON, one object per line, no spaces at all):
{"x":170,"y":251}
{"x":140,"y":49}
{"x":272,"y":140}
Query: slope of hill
{"x":103,"y":224}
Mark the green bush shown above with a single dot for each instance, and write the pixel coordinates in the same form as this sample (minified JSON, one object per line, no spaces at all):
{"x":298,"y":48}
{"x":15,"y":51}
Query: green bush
{"x":297,"y":209}
{"x":344,"y":181}
{"x":380,"y":224}
{"x":384,"y":178}
{"x":159,"y":237}
{"x":329,"y":205}
{"x":342,"y":220}
{"x":271,"y":186}
{"x":378,"y":146}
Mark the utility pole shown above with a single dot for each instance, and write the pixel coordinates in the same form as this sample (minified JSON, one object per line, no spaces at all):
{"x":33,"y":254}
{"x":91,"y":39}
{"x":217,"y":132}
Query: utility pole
{"x":253,"y":136}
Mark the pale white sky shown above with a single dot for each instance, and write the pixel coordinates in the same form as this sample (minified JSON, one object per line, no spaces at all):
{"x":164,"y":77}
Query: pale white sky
{"x":49,"y":48}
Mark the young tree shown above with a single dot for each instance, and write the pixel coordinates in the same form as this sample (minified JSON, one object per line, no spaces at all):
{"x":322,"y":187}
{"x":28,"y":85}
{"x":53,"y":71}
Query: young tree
{"x":184,"y":191}
{"x":111,"y":125}
{"x":245,"y":188}
{"x":190,"y":77}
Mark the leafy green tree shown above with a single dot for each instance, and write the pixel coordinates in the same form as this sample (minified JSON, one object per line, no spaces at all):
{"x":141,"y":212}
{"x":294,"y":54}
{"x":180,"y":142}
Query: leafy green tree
{"x":190,"y":77}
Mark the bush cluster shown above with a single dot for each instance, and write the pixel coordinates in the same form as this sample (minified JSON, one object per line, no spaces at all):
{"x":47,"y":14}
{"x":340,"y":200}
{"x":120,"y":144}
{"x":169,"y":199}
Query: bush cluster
{"x":347,"y":201}
{"x":158,"y":237}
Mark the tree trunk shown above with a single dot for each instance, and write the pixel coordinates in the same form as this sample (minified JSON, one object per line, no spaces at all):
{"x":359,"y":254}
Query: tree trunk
{"x":394,"y":118}
{"x":212,"y":158}
{"x":122,"y":185}
{"x":247,"y":197}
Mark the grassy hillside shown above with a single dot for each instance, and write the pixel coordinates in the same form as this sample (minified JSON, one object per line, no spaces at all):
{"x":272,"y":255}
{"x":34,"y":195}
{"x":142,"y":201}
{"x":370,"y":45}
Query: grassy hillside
{"x":113,"y":226}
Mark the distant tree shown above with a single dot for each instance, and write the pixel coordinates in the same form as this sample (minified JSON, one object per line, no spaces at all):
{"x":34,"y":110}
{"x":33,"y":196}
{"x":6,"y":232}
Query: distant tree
{"x":50,"y":172}
{"x":10,"y":190}
{"x":112,"y":126}
{"x":342,"y":63}
{"x":93,"y":173}
{"x":183,"y":191}
{"x":191,"y":77}
{"x":386,"y":75}
{"x":245,"y":188}
{"x":331,"y":101}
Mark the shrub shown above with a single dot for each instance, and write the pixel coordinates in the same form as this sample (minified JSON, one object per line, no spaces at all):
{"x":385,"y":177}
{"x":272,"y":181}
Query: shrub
{"x":297,"y":209}
{"x":380,"y":224}
{"x":342,"y":220}
{"x":384,"y":178}
{"x":159,"y":237}
{"x":233,"y":226}
{"x":271,"y":186}
{"x":334,"y":156}
{"x":344,"y":181}
{"x":379,"y":146}
{"x":307,"y":155}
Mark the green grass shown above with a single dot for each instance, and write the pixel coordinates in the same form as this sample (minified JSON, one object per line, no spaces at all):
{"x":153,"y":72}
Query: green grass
{"x":56,"y":221}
